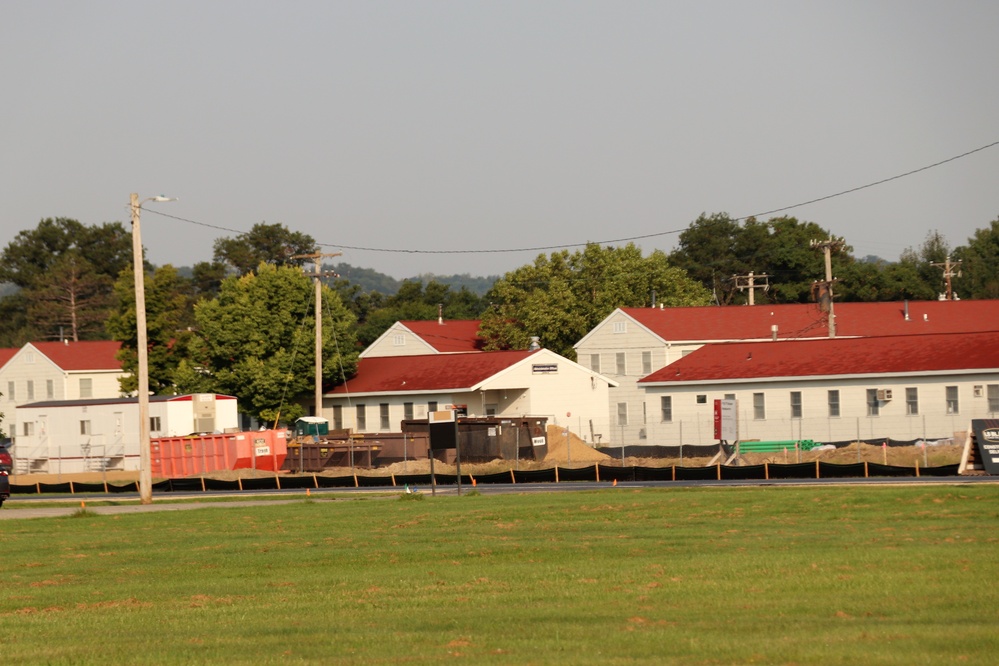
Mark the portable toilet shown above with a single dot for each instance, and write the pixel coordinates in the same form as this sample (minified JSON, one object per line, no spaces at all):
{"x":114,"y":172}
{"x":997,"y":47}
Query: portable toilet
{"x":314,"y":426}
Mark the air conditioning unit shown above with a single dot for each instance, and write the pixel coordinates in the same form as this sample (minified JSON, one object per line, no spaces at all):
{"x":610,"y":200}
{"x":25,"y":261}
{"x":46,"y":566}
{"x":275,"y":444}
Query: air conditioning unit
{"x":884,"y":394}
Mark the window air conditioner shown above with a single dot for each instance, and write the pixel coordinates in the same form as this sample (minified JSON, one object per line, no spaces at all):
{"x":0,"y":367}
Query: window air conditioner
{"x":884,"y":394}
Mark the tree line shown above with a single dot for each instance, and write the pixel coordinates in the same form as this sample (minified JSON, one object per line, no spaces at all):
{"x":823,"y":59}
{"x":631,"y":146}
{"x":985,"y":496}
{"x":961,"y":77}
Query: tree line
{"x":243,"y":323}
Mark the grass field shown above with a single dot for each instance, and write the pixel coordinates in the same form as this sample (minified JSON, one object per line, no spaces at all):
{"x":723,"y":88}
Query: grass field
{"x":830,"y":575}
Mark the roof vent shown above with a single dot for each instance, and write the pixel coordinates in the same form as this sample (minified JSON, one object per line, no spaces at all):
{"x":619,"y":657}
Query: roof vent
{"x":535,"y":343}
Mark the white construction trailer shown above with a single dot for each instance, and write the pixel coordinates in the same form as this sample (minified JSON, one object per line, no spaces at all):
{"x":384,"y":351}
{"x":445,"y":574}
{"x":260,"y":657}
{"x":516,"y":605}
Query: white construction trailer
{"x":70,"y":436}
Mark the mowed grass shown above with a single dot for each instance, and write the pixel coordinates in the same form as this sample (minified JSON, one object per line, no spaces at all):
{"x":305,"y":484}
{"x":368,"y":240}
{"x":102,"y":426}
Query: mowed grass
{"x":829,"y":575}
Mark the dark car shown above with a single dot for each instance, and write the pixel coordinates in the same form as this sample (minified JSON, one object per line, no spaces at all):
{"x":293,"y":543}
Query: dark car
{"x":5,"y":466}
{"x":6,"y":462}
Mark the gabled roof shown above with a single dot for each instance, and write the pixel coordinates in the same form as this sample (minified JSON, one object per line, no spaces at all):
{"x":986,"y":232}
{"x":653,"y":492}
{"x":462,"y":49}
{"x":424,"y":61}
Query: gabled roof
{"x":898,"y":354}
{"x":6,"y":354}
{"x":805,"y":320}
{"x":429,"y":372}
{"x":83,"y":356}
{"x":460,"y":335}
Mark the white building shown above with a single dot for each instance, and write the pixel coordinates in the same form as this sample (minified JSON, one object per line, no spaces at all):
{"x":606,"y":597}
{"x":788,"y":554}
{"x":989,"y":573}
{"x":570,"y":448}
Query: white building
{"x":67,"y":436}
{"x":415,"y":338}
{"x":57,"y":371}
{"x":388,"y":389}
{"x":632,"y":343}
{"x":913,"y":387}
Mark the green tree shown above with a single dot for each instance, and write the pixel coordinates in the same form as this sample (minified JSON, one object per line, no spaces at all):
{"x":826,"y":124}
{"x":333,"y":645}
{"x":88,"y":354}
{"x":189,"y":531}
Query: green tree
{"x":169,"y":320}
{"x":264,"y":243}
{"x":255,"y":340}
{"x":980,"y":264}
{"x":64,"y":271}
{"x":561,"y":297}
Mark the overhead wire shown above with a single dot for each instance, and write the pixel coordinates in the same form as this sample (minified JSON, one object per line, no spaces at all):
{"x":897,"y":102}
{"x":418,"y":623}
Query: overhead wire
{"x":563,"y":246}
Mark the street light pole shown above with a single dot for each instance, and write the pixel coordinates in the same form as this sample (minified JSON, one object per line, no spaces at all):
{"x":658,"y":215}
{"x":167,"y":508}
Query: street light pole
{"x":142,"y":389}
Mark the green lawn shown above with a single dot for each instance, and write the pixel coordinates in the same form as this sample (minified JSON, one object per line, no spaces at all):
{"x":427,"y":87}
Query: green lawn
{"x":837,"y":575}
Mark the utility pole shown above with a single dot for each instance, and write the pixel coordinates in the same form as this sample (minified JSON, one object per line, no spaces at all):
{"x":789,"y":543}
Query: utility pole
{"x":749,"y":282}
{"x":317,"y":274}
{"x":948,"y":273}
{"x":825,"y":289}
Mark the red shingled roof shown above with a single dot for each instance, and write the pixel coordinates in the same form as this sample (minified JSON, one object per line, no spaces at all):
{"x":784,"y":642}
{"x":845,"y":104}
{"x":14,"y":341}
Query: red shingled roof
{"x":834,"y":357}
{"x":6,"y":355}
{"x":81,"y":356}
{"x":430,"y":372}
{"x":461,"y":335}
{"x":743,"y":322}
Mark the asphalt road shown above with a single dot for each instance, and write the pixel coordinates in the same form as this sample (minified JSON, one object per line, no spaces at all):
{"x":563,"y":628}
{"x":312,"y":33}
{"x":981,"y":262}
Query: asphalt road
{"x":30,"y":506}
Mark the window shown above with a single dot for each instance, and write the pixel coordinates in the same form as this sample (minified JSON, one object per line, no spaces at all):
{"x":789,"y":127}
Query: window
{"x":873,"y":406}
{"x":28,"y":428}
{"x":407,"y":411}
{"x":360,"y":420}
{"x":49,"y":390}
{"x":31,"y":390}
{"x":952,"y":404}
{"x":595,"y":362}
{"x":666,"y":407}
{"x":622,"y":413}
{"x":86,"y":387}
{"x":84,"y":427}
{"x":759,"y":407}
{"x":912,"y":401}
{"x":833,"y":402}
{"x":398,"y":340}
{"x":154,"y":424}
{"x":795,"y":404}
{"x":432,"y":406}
{"x":10,"y":391}
{"x":383,"y":416}
{"x":619,"y":357}
{"x":620,"y":327}
{"x":993,"y":397}
{"x":646,"y":363}
{"x":702,"y":399}
{"x":645,"y":413}
{"x":338,"y":417}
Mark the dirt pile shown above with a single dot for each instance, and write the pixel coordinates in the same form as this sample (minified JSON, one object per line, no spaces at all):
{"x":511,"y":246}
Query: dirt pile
{"x":572,"y":449}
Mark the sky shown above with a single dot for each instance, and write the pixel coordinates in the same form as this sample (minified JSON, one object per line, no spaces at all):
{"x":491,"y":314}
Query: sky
{"x":470,"y":136}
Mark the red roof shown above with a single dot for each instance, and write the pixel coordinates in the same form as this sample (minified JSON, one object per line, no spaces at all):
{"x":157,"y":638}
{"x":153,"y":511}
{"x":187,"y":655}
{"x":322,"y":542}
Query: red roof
{"x":743,"y":322}
{"x":81,"y":356}
{"x":833,"y":357}
{"x":460,"y":335}
{"x":6,"y":355}
{"x":430,"y":372}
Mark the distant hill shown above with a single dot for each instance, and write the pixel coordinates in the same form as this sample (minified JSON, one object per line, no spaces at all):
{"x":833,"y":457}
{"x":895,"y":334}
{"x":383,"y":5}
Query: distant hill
{"x":369,"y":279}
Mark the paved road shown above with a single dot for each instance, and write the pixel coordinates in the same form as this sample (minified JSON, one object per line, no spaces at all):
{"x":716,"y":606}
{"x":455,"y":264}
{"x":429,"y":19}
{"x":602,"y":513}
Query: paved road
{"x":169,"y":502}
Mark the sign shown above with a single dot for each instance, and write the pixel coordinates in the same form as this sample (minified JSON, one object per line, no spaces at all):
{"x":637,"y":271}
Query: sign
{"x":544,"y":368}
{"x":538,"y":441}
{"x":987,"y":437}
{"x":262,"y":450}
{"x":726,"y":420}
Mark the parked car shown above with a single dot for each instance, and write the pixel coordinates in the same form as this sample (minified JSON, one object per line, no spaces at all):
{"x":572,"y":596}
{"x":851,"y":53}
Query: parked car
{"x":6,"y":462}
{"x":4,"y":487}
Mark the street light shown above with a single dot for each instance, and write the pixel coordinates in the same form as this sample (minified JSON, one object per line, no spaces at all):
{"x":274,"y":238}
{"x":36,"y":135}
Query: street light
{"x":145,"y":473}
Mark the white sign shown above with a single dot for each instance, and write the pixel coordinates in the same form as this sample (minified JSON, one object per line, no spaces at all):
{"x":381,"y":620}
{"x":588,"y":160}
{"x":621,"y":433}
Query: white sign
{"x":263,"y":450}
{"x":538,"y":441}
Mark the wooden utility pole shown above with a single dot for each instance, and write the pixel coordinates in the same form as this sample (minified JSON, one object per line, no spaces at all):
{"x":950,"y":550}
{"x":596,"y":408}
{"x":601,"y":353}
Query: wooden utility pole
{"x":948,"y":273}
{"x":827,"y":247}
{"x":749,"y":282}
{"x":317,"y":274}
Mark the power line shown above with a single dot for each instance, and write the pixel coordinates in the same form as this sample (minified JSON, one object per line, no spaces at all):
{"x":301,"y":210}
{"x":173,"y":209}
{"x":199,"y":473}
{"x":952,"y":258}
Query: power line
{"x":543,"y":248}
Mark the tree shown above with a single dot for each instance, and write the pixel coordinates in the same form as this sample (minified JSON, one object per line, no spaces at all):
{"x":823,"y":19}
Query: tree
{"x":64,"y":271}
{"x":980,"y":264}
{"x":264,"y":243}
{"x":255,"y":340}
{"x":561,"y":297}
{"x":169,"y":320}
{"x":74,"y":301}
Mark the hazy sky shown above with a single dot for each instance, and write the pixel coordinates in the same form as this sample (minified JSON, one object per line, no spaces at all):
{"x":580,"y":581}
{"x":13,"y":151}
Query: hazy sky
{"x":480,"y":126}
